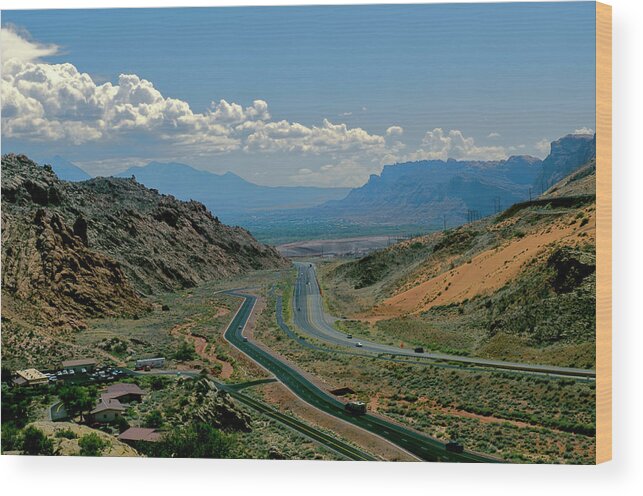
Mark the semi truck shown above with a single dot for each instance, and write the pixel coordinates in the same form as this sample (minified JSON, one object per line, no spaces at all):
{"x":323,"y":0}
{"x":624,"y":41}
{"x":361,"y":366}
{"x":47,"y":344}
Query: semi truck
{"x":150,"y":363}
{"x":355,"y":407}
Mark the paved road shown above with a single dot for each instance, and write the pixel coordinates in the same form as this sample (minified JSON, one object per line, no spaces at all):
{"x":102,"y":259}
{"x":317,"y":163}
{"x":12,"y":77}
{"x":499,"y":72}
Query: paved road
{"x":421,"y":446}
{"x":309,"y":316}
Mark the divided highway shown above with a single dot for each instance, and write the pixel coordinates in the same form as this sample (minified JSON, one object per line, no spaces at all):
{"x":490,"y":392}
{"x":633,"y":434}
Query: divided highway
{"x":310,"y":318}
{"x":421,"y":446}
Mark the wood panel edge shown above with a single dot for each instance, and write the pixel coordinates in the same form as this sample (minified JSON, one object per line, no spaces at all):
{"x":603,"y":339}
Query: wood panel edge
{"x":603,"y":232}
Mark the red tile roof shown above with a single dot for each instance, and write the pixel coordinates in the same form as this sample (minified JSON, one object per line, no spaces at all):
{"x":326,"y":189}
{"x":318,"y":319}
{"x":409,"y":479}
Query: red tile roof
{"x":106,"y":404}
{"x":140,"y":434}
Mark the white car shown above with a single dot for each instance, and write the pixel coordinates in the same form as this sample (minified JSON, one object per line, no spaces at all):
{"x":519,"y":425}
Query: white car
{"x":358,"y":344}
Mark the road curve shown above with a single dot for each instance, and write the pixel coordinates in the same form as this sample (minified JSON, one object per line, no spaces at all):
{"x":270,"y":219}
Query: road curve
{"x":310,"y":318}
{"x":421,"y":446}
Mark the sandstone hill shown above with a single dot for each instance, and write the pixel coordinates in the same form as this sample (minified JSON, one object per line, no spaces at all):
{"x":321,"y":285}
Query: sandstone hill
{"x":72,"y":251}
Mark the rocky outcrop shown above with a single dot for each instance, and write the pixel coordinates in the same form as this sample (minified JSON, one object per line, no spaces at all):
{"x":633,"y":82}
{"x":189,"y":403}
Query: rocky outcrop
{"x":72,"y":251}
{"x":209,"y":405}
{"x":65,"y":436}
{"x":567,"y":154}
{"x":570,"y":267}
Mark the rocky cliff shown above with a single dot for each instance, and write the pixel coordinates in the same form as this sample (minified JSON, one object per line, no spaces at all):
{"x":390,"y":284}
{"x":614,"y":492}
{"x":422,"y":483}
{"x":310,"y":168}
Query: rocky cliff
{"x":72,"y":251}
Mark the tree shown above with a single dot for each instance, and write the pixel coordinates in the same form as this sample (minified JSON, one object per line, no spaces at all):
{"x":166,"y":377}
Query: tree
{"x":185,"y":352}
{"x":34,"y":442}
{"x":154,"y":419}
{"x":199,"y":440}
{"x":77,"y":400}
{"x":121,"y":424}
{"x":91,"y":445}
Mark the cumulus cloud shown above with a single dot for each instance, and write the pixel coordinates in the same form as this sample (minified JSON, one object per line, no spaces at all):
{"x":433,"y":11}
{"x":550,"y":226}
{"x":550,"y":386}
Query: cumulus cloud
{"x":45,"y":102}
{"x":438,"y":145}
{"x":493,"y":135}
{"x":395,"y":131}
{"x":283,"y":136}
{"x":57,"y":103}
{"x":583,"y":130}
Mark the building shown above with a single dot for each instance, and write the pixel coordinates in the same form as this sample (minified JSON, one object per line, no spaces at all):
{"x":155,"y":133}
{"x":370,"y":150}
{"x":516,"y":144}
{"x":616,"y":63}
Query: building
{"x":153,"y":363}
{"x":124,"y":392}
{"x":30,"y":377}
{"x":107,"y":410}
{"x":139,"y":435}
{"x":84,"y":365}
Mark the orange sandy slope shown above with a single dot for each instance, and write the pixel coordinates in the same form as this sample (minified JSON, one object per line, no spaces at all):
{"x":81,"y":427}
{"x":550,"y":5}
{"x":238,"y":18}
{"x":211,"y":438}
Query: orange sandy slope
{"x":487,"y":272}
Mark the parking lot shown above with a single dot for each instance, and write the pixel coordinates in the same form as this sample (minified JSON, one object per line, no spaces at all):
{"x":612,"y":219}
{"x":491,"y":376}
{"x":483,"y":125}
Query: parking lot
{"x":83,"y":376}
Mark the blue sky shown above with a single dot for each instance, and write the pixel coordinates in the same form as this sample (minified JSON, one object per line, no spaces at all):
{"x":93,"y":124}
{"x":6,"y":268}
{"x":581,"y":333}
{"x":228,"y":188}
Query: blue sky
{"x":342,"y":90}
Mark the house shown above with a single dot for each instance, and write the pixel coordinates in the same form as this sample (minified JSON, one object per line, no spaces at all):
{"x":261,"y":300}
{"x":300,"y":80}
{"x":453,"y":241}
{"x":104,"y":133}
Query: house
{"x":107,"y":410}
{"x":136,"y":435}
{"x":30,"y":377}
{"x":84,"y":365}
{"x":123,"y":392}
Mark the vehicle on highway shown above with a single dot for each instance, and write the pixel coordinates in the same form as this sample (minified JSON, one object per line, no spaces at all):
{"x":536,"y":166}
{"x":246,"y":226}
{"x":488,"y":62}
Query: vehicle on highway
{"x":245,"y":339}
{"x":358,"y":344}
{"x":454,"y":447}
{"x":419,"y":349}
{"x":350,"y":336}
{"x":356,"y":407}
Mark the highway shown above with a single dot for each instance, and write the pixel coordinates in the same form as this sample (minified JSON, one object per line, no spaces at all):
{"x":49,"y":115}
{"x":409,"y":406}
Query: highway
{"x":417,"y":444}
{"x":309,"y":316}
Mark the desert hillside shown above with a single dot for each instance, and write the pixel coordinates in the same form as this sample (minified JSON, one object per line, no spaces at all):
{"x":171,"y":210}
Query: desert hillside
{"x":72,"y":251}
{"x":518,"y":285}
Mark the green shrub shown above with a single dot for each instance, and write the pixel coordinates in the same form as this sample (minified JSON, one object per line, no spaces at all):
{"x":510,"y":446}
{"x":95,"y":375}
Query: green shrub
{"x":34,"y":442}
{"x":66,"y":434}
{"x":91,"y":445}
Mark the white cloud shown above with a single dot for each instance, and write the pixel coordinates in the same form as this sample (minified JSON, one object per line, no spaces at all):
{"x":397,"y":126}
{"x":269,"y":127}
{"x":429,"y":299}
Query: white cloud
{"x":395,"y":131}
{"x":16,"y":45}
{"x":345,"y":173}
{"x":284,"y":136}
{"x":45,"y":102}
{"x":438,"y":145}
{"x":543,"y":147}
{"x":493,"y":135}
{"x":583,"y":130}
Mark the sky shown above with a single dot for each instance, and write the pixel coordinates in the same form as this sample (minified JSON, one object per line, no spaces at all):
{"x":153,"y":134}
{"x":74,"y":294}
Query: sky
{"x":322,"y":96}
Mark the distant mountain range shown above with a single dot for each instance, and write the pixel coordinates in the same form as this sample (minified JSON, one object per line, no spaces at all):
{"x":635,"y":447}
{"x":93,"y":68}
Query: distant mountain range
{"x":426,"y":194}
{"x":434,"y":192}
{"x":227,"y":195}
{"x":66,"y":170}
{"x":430,"y":192}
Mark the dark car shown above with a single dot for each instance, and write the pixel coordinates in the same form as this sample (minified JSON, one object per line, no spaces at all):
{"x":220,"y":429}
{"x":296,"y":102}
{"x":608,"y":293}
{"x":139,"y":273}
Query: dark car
{"x":419,"y":349}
